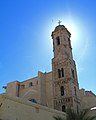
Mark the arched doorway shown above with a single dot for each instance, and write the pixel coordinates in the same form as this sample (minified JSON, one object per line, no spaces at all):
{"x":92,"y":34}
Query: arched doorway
{"x":63,"y":108}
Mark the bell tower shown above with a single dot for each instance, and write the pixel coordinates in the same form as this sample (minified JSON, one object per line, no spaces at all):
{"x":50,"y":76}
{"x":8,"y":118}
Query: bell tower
{"x":64,"y":74}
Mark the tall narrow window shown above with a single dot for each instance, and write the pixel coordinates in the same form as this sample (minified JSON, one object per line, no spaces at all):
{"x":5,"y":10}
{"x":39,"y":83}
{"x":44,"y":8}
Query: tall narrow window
{"x":62,"y":71}
{"x":69,"y":42}
{"x":62,"y":90}
{"x":37,"y":82}
{"x":73,"y":74}
{"x":58,"y":40}
{"x":63,"y":108}
{"x":77,"y":109}
{"x":59,"y":73}
{"x":75,"y":90}
{"x":18,"y":89}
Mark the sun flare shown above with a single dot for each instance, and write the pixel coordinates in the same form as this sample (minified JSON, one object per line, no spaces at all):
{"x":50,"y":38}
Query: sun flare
{"x":71,"y":25}
{"x":73,"y":30}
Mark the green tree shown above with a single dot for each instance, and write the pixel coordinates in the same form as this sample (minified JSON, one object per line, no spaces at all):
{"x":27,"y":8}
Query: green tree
{"x":72,"y":115}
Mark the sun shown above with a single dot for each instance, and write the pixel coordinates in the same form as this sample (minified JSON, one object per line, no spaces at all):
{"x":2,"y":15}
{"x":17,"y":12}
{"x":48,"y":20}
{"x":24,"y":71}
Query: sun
{"x":72,"y":28}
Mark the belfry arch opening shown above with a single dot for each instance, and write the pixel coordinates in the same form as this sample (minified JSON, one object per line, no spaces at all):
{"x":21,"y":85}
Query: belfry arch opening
{"x":63,"y":108}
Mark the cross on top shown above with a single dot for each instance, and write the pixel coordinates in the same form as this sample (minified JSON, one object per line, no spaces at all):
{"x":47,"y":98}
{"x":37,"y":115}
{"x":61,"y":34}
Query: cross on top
{"x":59,"y":22}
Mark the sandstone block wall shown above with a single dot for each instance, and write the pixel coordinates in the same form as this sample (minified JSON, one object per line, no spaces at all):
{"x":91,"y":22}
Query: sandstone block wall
{"x":14,"y":108}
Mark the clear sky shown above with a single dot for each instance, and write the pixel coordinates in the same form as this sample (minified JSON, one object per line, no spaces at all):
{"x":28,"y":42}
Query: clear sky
{"x":26,"y":43}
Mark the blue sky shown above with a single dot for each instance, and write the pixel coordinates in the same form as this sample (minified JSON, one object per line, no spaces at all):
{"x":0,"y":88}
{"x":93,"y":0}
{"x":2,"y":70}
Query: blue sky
{"x":26,"y":43}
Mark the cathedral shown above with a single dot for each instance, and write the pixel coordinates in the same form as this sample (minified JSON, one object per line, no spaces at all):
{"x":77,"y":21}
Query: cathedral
{"x":58,"y":89}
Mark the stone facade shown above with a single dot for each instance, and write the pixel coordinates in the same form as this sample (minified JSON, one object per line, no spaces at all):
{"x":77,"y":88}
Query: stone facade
{"x":58,"y":89}
{"x":38,"y":89}
{"x":14,"y":108}
{"x":88,"y":99}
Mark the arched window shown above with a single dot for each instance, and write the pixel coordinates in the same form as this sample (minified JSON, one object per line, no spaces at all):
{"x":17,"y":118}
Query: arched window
{"x":73,"y":73}
{"x":63,"y":108}
{"x":62,"y":90}
{"x":59,"y":73}
{"x":22,"y":86}
{"x":33,"y":100}
{"x":58,"y":40}
{"x":30,"y":84}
